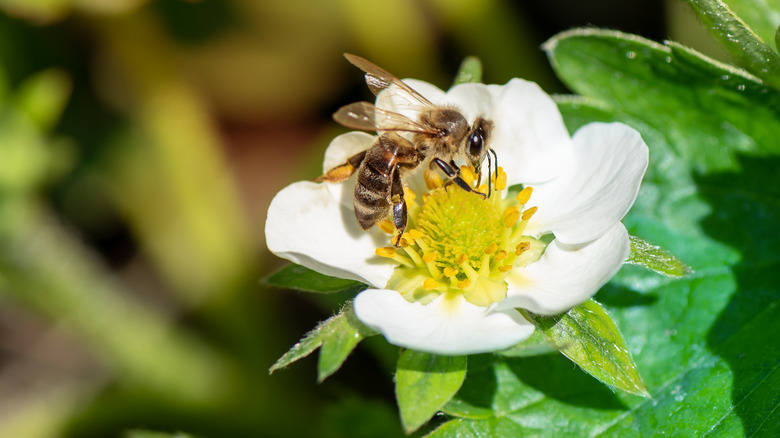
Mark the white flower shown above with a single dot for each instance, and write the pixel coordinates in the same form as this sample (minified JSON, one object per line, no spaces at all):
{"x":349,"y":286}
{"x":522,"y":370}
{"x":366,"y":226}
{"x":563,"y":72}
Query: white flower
{"x":455,"y":285}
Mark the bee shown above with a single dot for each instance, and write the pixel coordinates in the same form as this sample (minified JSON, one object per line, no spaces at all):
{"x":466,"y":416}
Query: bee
{"x":438,"y":136}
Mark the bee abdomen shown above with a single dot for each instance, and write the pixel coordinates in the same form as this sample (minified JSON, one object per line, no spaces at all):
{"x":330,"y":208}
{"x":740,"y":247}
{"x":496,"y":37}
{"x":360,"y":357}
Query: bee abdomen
{"x":372,"y":193}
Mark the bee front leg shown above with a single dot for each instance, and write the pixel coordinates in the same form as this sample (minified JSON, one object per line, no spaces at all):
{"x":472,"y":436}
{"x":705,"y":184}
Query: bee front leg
{"x":399,"y":206}
{"x":344,"y":171}
{"x":453,"y":172}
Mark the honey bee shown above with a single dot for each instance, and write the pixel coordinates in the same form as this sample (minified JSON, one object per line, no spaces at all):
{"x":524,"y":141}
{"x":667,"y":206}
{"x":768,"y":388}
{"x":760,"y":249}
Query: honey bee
{"x":439,"y":136}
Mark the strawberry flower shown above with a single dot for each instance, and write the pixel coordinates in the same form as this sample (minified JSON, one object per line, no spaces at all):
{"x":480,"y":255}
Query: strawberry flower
{"x":546,"y":240}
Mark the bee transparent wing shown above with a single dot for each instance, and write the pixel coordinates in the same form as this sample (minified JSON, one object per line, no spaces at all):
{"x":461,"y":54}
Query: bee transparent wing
{"x":379,"y":79}
{"x":365,"y":116}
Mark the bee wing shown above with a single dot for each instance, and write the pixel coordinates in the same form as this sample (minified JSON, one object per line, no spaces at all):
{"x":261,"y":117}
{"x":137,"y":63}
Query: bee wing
{"x":379,"y":79}
{"x":367,"y":117}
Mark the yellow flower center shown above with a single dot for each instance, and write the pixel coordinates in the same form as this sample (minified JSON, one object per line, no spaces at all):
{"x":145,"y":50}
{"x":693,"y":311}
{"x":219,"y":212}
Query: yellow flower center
{"x":458,"y":243}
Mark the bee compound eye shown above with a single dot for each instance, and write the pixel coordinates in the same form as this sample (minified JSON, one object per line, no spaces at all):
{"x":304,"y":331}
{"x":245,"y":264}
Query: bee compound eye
{"x":476,"y":142}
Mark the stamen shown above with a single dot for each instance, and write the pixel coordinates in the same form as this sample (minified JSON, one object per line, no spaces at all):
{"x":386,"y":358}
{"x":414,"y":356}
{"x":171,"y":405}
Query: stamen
{"x":528,"y":213}
{"x":505,"y":268}
{"x":430,"y":284}
{"x":511,"y":215}
{"x":429,"y":257}
{"x":387,"y":251}
{"x":432,"y":179}
{"x":414,"y":233}
{"x":450,"y":272}
{"x":463,"y":284}
{"x":468,"y":175}
{"x":522,"y":247}
{"x":386,"y":226}
{"x":490,"y":249}
{"x":391,"y":253}
{"x":500,"y":179}
{"x":524,"y":195}
{"x":501,"y":255}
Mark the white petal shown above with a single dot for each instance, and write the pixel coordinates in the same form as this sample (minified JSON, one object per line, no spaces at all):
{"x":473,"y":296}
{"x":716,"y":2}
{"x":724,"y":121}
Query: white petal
{"x":529,"y":136}
{"x":308,"y":226}
{"x":566,"y":276}
{"x":610,"y":161}
{"x":449,"y":327}
{"x":340,"y":149}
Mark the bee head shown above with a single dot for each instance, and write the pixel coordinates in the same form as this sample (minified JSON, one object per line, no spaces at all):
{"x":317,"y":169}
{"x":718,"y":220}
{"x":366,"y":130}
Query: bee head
{"x":476,"y":146}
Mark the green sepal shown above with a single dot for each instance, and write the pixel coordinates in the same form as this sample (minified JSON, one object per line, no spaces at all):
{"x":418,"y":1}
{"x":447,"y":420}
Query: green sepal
{"x":470,"y":71}
{"x":424,"y":383}
{"x":589,"y":337}
{"x":652,"y":257}
{"x":298,"y":277}
{"x":336,"y":337}
{"x":739,"y":39}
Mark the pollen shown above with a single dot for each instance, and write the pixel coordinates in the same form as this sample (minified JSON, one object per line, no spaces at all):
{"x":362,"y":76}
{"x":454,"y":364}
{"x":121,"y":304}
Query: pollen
{"x":460,"y":243}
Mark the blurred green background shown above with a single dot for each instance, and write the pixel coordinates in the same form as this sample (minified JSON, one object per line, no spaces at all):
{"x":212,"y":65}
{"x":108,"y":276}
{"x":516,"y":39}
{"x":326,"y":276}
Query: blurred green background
{"x":140,"y":145}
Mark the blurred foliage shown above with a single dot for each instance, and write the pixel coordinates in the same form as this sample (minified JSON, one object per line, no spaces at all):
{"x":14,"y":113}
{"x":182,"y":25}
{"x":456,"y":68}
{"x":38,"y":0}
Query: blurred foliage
{"x":140,"y":143}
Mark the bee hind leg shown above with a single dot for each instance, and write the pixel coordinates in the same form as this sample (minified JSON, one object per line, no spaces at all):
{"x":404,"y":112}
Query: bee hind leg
{"x":453,"y":172}
{"x":344,"y":171}
{"x":399,"y":207}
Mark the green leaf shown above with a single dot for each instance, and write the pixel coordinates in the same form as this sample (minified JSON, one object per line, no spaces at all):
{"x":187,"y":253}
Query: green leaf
{"x":345,"y":333}
{"x":301,"y":278}
{"x":708,"y":197}
{"x":424,"y":383}
{"x":592,"y":340}
{"x":739,"y":39}
{"x":647,"y":255}
{"x":538,"y":343}
{"x":470,"y":71}
{"x":762,"y":16}
{"x":338,"y":336}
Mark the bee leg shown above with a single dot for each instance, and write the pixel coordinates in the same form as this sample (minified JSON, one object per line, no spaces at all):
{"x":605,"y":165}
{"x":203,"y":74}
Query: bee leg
{"x":344,"y":171}
{"x":453,"y":172}
{"x":399,"y":206}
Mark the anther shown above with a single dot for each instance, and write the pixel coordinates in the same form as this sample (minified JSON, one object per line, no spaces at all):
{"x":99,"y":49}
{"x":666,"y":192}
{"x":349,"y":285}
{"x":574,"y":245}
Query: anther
{"x":414,"y":233}
{"x":522,"y":247}
{"x":467,"y":174}
{"x":450,"y":272}
{"x":429,"y":257}
{"x":524,"y":195}
{"x":386,"y":251}
{"x":501,"y":255}
{"x":386,"y":226}
{"x":511,"y":215}
{"x":461,"y":258}
{"x":528,"y":213}
{"x":500,"y":179}
{"x":463,"y":284}
{"x":432,"y":179}
{"x":430,"y":284}
{"x":490,"y":249}
{"x":504,"y":268}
